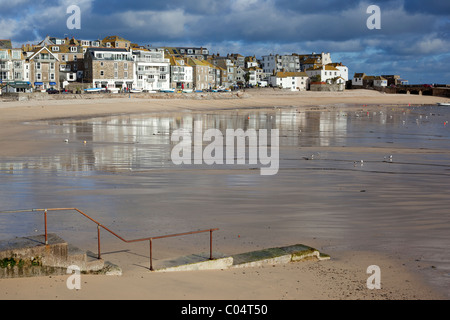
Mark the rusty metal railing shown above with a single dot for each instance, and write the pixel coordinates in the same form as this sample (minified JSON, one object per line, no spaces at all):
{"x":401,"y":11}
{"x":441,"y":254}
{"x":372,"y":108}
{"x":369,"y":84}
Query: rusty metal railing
{"x":99,"y":225}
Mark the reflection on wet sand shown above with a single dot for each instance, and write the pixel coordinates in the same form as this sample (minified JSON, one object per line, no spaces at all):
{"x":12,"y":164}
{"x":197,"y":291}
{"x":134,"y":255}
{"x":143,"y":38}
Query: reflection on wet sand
{"x":337,"y":182}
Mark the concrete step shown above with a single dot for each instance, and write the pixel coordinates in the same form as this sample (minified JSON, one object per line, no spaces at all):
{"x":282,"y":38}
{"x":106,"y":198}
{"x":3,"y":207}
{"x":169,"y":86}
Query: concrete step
{"x":30,"y":256}
{"x":274,"y":256}
{"x":271,"y":256}
{"x":194,"y":262}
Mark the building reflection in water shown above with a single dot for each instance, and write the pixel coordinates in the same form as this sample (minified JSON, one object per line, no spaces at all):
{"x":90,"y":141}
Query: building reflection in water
{"x":140,"y":142}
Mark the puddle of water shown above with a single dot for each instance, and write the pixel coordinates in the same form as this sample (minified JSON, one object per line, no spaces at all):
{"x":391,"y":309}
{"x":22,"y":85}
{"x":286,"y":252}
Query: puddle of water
{"x":119,"y":169}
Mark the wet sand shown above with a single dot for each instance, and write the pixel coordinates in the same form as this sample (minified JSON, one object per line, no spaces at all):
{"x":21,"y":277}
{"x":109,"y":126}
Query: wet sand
{"x":350,"y":213}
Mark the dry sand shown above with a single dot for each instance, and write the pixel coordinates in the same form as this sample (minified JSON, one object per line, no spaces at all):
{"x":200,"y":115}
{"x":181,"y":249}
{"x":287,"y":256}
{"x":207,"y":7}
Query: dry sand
{"x":342,"y":277}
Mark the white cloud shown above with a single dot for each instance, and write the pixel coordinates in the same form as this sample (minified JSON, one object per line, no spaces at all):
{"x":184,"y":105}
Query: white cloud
{"x":170,"y":23}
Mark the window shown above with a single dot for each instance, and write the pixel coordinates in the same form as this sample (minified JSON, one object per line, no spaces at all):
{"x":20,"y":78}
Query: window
{"x":55,"y":48}
{"x":116,"y":74}
{"x":52,"y":76}
{"x":52,"y":66}
{"x":38,"y":76}
{"x":116,"y":66}
{"x":73,"y":49}
{"x":102,"y":73}
{"x":38,"y":65}
{"x":101,"y":64}
{"x":125,"y":66}
{"x":125,"y":74}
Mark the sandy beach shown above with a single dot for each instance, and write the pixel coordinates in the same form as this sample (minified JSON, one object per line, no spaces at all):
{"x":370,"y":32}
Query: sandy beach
{"x":404,"y":275}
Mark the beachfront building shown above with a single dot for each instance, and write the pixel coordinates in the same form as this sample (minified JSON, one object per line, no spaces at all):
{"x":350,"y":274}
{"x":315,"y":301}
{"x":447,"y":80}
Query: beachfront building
{"x":70,"y":57}
{"x":151,"y":69}
{"x":254,"y":75}
{"x":228,"y":70}
{"x":14,"y":69}
{"x":240,"y":75}
{"x":343,"y":70}
{"x":277,"y":63}
{"x":70,"y":52}
{"x":326,"y":73}
{"x":181,"y":74}
{"x":380,"y":82}
{"x":358,"y":79}
{"x":294,"y":81}
{"x":44,"y":68}
{"x":200,"y":74}
{"x":395,"y":80}
{"x":109,"y":68}
{"x":213,"y":74}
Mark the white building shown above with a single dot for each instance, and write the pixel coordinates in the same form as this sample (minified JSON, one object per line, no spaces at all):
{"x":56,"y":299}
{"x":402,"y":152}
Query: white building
{"x":181,"y":74}
{"x":326,"y":73}
{"x":14,"y":71}
{"x":151,"y":70}
{"x":295,"y":81}
{"x":342,"y":69}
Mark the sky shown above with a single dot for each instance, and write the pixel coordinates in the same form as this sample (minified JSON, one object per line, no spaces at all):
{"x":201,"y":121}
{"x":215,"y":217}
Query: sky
{"x":413,"y":40}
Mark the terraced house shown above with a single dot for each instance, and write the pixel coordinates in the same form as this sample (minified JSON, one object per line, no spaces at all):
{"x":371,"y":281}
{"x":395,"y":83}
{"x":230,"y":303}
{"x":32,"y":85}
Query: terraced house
{"x":151,"y":70}
{"x":181,"y":74}
{"x":277,"y":63}
{"x":294,"y":81}
{"x":70,"y":62}
{"x":70,"y":53}
{"x":200,"y":74}
{"x":14,"y":70}
{"x":228,"y":70}
{"x":110,"y":68}
{"x":44,"y":68}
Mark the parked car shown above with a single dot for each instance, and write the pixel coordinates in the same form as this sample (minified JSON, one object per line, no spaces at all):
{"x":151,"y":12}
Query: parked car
{"x":52,"y":91}
{"x":428,"y":86}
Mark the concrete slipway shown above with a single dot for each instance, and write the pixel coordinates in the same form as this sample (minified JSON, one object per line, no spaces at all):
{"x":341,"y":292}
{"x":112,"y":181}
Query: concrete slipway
{"x":30,"y":256}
